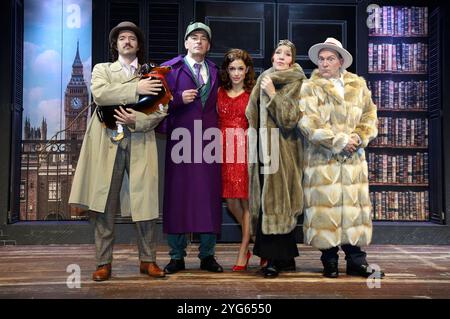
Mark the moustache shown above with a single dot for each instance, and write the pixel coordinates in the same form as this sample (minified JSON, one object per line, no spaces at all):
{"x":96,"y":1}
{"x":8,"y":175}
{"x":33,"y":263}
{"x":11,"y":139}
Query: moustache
{"x":128,"y":46}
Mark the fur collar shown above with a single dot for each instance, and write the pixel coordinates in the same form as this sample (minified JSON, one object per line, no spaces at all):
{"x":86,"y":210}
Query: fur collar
{"x":352,"y":84}
{"x":292,"y":74}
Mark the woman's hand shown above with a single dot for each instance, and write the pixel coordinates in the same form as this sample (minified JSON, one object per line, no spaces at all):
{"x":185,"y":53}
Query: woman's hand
{"x":127,"y":117}
{"x":268,"y":87}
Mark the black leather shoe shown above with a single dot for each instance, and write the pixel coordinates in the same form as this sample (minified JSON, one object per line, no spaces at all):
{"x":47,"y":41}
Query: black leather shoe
{"x":330,"y":269}
{"x":363,"y":271}
{"x":286,"y":265}
{"x":175,"y":265}
{"x":210,"y":264}
{"x":270,"y":271}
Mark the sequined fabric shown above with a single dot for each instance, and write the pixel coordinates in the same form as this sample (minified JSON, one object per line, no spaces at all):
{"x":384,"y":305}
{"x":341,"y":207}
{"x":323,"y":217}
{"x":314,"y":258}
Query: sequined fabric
{"x":233,"y":124}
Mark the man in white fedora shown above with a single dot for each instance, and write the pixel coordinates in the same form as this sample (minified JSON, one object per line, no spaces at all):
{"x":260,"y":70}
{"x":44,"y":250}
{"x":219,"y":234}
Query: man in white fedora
{"x":339,"y":121}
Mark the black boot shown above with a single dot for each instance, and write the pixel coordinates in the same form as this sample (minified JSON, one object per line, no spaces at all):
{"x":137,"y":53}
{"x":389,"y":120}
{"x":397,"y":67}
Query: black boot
{"x":363,"y":271}
{"x":330,"y":269}
{"x":286,"y":265}
{"x":271,"y":270}
{"x":175,"y":265}
{"x":210,"y":264}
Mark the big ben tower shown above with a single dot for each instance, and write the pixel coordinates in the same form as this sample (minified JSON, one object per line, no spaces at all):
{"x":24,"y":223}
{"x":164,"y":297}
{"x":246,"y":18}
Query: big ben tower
{"x":76,"y":98}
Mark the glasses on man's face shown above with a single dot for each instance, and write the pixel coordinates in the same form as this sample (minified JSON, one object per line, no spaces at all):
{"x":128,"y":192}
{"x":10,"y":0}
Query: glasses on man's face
{"x":330,"y":59}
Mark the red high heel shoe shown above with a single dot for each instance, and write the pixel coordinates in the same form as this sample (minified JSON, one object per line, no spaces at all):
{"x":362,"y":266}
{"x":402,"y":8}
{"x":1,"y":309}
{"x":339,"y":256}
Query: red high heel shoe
{"x":263,"y":262}
{"x":242,"y":268}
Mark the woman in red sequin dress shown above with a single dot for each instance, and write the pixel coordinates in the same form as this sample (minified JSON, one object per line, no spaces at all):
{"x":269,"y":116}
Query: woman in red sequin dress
{"x":238,"y":79}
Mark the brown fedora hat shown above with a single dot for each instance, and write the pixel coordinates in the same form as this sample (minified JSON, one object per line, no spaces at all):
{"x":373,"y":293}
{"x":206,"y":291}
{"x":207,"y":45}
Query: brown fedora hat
{"x":129,"y":26}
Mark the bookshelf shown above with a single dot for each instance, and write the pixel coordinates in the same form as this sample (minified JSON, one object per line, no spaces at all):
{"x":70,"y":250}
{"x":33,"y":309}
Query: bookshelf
{"x":398,"y":76}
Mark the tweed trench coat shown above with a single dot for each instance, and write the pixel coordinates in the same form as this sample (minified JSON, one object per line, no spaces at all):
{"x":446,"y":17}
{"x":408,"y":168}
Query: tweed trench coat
{"x":139,"y":193}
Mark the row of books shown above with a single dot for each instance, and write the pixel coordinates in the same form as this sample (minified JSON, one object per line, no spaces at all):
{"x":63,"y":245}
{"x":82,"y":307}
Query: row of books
{"x":401,"y":132}
{"x":399,"y":21}
{"x":399,"y":57}
{"x":398,"y":169}
{"x":399,"y":95}
{"x":410,"y":206}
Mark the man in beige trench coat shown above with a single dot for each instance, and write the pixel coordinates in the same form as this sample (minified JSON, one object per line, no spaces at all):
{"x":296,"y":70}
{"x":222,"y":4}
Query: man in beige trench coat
{"x":121,"y":175}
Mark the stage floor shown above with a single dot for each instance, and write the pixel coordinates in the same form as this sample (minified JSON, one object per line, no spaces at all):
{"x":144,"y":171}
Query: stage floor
{"x":41,"y":272}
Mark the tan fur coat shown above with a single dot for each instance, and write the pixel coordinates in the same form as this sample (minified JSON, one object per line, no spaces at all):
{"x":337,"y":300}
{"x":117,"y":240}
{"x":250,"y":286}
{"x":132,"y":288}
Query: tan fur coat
{"x":337,"y":203}
{"x":281,"y":196}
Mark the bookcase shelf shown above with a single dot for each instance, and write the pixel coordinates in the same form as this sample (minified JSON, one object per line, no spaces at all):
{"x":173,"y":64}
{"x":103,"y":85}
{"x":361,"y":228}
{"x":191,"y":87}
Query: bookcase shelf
{"x":397,"y":36}
{"x":402,"y":110}
{"x":399,"y":40}
{"x":398,"y":147}
{"x":399,"y":73}
{"x":399,"y":184}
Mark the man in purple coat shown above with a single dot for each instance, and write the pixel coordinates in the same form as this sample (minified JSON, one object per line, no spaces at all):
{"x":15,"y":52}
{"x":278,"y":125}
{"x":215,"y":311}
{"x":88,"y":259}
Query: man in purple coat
{"x":192,"y":192}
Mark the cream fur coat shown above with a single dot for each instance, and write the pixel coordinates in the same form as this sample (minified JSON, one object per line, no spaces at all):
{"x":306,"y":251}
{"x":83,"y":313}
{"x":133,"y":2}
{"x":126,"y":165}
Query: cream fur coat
{"x":281,"y":197}
{"x":337,"y":203}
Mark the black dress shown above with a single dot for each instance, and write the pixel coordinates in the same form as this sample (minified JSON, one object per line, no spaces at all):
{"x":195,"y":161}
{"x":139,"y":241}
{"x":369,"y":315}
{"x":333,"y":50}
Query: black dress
{"x":281,"y":247}
{"x":275,"y":247}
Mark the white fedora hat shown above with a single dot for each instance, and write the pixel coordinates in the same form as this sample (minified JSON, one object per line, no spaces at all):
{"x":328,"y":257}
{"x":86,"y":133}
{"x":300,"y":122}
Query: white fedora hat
{"x":332,"y":44}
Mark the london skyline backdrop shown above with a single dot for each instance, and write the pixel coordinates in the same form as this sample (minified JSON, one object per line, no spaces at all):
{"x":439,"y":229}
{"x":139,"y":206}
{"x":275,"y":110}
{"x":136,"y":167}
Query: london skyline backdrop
{"x":51,"y":32}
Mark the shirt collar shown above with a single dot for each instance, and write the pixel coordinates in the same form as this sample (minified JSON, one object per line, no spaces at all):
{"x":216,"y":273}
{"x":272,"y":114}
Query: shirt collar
{"x":134,"y":64}
{"x":339,"y":80}
{"x":191,"y":61}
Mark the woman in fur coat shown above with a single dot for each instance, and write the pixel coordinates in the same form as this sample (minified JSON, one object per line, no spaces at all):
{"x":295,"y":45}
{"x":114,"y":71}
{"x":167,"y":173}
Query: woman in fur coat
{"x":275,"y":160}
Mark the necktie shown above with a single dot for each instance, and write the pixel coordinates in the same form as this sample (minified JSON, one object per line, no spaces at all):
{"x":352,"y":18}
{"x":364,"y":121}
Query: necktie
{"x":132,"y":70}
{"x":198,"y":74}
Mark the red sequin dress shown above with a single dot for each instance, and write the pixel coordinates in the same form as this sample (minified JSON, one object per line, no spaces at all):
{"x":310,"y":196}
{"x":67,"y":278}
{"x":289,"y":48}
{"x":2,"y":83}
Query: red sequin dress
{"x":232,"y":121}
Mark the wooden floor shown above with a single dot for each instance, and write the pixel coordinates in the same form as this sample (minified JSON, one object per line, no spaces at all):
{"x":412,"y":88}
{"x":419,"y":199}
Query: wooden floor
{"x":40,"y":272}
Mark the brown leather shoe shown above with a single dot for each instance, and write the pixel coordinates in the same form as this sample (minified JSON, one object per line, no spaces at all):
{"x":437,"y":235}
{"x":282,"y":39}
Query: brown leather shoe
{"x":151,"y":269}
{"x":102,"y":273}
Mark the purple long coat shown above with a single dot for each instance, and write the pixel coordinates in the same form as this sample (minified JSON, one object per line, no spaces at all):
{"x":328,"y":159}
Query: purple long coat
{"x":192,"y":191}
